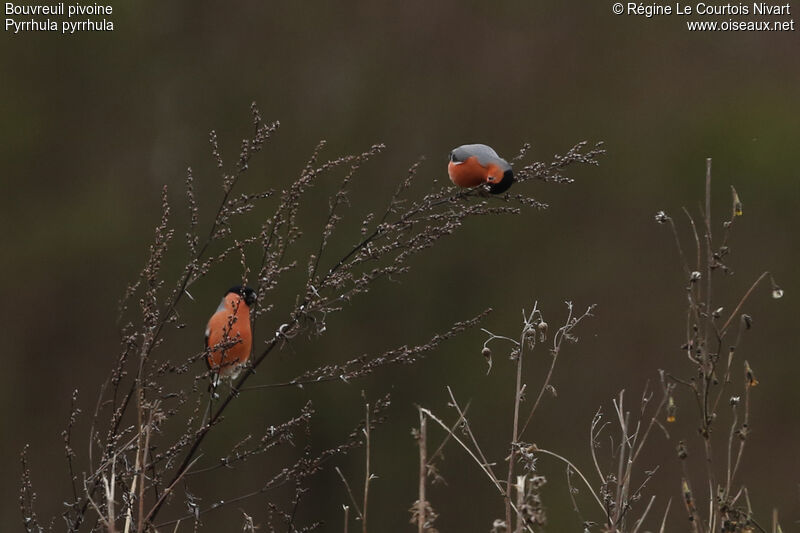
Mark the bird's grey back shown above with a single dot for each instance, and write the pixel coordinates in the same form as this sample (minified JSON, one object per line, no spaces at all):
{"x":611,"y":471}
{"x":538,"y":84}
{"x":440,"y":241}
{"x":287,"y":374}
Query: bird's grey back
{"x":485,"y":155}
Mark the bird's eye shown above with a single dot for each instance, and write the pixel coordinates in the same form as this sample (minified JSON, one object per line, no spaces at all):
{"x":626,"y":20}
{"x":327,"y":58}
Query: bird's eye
{"x":452,"y":156}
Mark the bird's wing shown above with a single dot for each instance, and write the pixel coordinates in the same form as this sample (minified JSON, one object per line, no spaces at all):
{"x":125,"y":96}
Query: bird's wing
{"x":485,"y":154}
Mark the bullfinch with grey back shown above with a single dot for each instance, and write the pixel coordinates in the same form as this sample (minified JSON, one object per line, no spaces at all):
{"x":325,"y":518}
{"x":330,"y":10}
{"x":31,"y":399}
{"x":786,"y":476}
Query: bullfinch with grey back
{"x":477,"y":164}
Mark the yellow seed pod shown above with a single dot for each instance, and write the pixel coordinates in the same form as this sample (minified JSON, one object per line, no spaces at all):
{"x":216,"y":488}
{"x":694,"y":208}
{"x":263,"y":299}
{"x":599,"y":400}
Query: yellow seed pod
{"x":737,"y":203}
{"x":671,"y":408}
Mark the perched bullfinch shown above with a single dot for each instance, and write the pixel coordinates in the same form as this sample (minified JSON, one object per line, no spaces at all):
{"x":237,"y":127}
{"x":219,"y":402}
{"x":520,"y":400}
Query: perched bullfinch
{"x":477,"y":164}
{"x":228,"y":334}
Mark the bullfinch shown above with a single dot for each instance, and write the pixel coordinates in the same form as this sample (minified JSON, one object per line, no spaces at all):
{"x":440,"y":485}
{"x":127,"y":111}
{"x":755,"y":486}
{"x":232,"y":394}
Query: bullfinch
{"x":477,"y":164}
{"x":229,"y":338}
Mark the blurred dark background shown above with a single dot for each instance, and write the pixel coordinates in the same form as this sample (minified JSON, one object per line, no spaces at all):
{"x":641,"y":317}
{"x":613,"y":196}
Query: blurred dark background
{"x":95,"y":124}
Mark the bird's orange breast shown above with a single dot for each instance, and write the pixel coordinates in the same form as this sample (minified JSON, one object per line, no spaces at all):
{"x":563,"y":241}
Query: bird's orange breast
{"x":470,"y":173}
{"x":227,"y":326}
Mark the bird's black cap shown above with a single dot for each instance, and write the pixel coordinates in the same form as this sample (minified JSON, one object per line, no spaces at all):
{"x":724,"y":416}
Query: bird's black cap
{"x":248,"y":294}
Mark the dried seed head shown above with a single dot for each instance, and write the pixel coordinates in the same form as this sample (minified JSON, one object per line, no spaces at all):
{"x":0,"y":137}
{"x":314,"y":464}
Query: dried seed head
{"x":542,"y":327}
{"x":737,"y":203}
{"x":487,"y":354}
{"x":537,"y":482}
{"x":749,"y":375}
{"x":742,"y":432}
{"x":734,"y":401}
{"x":695,"y":276}
{"x":662,"y":217}
{"x":777,"y":293}
{"x":683,"y":452}
{"x":671,"y":409}
{"x":499,"y":526}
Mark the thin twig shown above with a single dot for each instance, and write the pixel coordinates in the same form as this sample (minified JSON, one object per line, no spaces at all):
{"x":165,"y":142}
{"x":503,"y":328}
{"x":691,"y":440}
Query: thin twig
{"x":367,"y":474}
{"x":422,"y":442}
{"x":350,"y":494}
{"x":577,"y":471}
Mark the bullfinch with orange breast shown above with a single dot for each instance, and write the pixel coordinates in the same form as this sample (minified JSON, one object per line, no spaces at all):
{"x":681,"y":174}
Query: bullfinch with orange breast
{"x":229,"y":338}
{"x":477,"y":164}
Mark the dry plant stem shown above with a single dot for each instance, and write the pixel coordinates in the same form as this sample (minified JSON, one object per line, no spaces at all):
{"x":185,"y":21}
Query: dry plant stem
{"x":362,"y":366}
{"x":423,"y":471}
{"x":462,"y":416}
{"x":279,"y":480}
{"x":731,"y":351}
{"x":110,"y":488}
{"x":742,"y":301}
{"x":775,"y":526}
{"x":350,"y":495}
{"x":577,"y":471}
{"x":644,"y":515}
{"x":663,"y":527}
{"x":466,"y":448}
{"x":514,"y":436}
{"x":729,"y":471}
{"x":689,"y":501}
{"x":745,"y":425}
{"x":67,"y":434}
{"x":632,"y":439}
{"x":138,"y":479}
{"x":628,"y":448}
{"x":202,"y":432}
{"x":593,"y":439}
{"x":533,"y":328}
{"x":170,"y":488}
{"x":141,"y":461}
{"x":709,"y":250}
{"x":558,"y":339}
{"x":622,"y":474}
{"x":572,"y":491}
{"x":97,"y":509}
{"x":667,"y":390}
{"x":684,"y":263}
{"x":696,"y":235}
{"x":541,"y":391}
{"x":706,"y":348}
{"x":520,"y":488}
{"x":481,"y":464}
{"x":724,"y":330}
{"x":367,"y":474}
{"x":708,"y":371}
